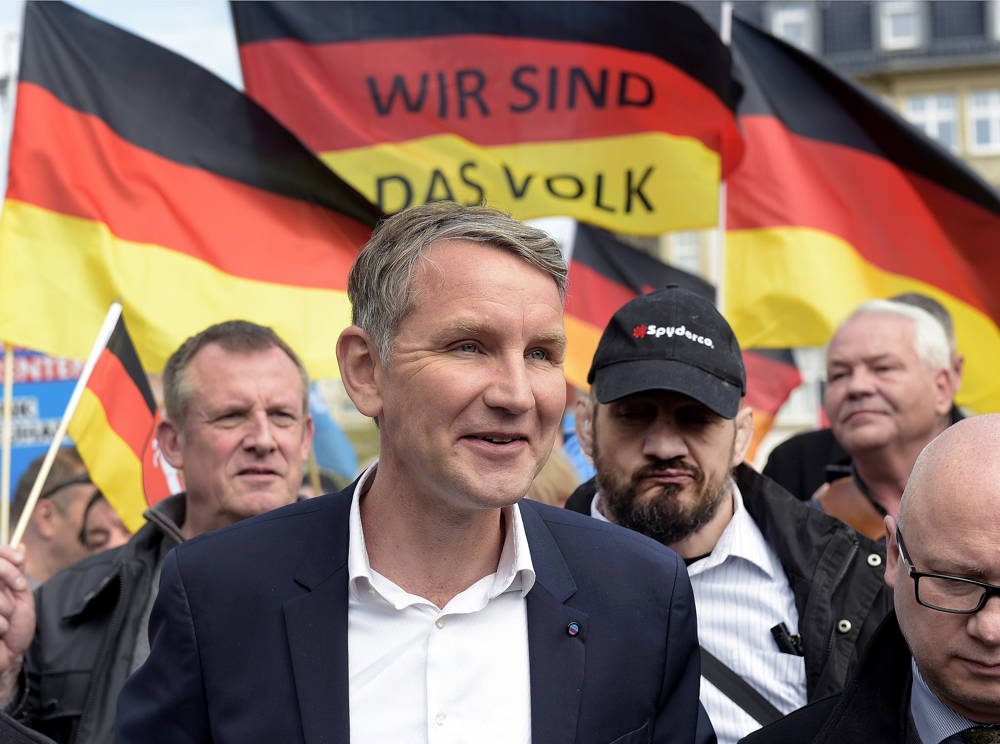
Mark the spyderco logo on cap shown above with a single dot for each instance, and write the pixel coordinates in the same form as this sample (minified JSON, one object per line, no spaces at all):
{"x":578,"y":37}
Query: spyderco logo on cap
{"x":655,"y":331}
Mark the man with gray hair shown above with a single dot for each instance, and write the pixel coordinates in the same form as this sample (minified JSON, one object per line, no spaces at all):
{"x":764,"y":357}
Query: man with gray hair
{"x":427,"y":601}
{"x":888,"y":394}
{"x":237,"y":425}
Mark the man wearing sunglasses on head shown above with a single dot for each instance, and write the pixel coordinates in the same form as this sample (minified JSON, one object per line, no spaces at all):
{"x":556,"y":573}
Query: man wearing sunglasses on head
{"x":932,"y":673}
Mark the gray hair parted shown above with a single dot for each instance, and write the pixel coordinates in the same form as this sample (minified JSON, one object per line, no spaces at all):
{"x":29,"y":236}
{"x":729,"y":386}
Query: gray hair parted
{"x":239,"y":336}
{"x":379,"y":285}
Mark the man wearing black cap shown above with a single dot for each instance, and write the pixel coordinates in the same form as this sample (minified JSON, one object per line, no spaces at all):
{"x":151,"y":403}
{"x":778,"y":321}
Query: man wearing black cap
{"x":785,"y":594}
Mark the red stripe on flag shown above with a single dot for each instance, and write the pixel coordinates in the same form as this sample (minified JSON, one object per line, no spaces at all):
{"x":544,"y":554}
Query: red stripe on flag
{"x":896,"y":220}
{"x":145,"y":198}
{"x":123,"y":403}
{"x":517,"y":90}
{"x":592,"y":297}
{"x":769,"y":381}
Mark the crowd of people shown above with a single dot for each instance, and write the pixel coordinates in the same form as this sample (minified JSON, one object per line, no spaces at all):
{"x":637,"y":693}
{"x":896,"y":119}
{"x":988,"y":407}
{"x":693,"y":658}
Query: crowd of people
{"x":680,"y":596}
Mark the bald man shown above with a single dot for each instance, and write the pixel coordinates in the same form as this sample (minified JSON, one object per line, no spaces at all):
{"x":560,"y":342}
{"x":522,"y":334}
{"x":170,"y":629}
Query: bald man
{"x":932,"y":673}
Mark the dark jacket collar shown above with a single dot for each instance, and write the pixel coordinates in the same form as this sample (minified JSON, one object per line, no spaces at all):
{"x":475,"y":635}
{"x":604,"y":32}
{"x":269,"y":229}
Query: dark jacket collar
{"x":97,"y":573}
{"x":875,"y":704}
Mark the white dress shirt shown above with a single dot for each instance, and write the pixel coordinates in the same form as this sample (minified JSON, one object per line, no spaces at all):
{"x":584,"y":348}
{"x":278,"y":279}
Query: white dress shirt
{"x":740,"y":593}
{"x":933,"y":720}
{"x":460,"y":673}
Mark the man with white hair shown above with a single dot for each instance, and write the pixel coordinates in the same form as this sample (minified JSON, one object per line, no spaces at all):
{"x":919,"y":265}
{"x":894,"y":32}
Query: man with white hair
{"x":888,"y":395}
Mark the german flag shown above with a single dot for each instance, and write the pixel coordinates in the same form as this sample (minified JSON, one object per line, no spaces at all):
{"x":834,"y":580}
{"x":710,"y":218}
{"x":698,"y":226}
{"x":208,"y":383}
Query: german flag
{"x":114,"y":426}
{"x":618,"y":114}
{"x":837,"y":201}
{"x":605,"y":273}
{"x":137,"y":175}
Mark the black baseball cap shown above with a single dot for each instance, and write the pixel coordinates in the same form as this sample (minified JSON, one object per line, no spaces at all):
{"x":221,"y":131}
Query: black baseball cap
{"x":671,"y":340}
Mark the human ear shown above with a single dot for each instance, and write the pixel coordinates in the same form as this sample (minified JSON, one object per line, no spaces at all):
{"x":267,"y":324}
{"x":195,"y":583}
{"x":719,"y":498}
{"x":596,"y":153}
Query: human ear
{"x":585,"y":411}
{"x":744,"y":435}
{"x":944,"y":390}
{"x":359,"y":366}
{"x":891,"y":551}
{"x":169,"y":436}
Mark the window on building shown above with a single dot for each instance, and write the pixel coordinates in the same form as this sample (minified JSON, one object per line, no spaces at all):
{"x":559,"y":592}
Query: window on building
{"x":936,"y":114}
{"x":983,"y":115}
{"x":901,"y":24}
{"x":795,"y":23}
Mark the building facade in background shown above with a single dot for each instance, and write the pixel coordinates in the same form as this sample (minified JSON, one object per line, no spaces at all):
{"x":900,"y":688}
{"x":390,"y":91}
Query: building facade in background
{"x":936,"y":62}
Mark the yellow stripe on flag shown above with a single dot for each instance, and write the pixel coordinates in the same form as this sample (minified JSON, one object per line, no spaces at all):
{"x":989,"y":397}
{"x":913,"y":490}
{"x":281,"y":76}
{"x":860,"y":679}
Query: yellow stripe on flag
{"x":792,"y":286}
{"x":112,"y":464}
{"x":581,"y":343}
{"x":643,"y":184}
{"x":59,"y":274}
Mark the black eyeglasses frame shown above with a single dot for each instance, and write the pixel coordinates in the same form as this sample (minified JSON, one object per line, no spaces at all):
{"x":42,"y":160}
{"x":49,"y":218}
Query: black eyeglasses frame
{"x":989,"y":590}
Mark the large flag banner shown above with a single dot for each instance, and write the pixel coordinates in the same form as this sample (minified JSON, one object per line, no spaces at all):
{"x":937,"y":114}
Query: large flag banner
{"x":136,"y":175}
{"x":838,"y":200}
{"x":114,"y":428}
{"x":619,"y":114}
{"x":605,"y":273}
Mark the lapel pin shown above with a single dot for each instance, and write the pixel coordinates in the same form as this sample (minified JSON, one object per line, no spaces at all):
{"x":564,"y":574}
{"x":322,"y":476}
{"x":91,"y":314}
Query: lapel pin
{"x":573,"y":629}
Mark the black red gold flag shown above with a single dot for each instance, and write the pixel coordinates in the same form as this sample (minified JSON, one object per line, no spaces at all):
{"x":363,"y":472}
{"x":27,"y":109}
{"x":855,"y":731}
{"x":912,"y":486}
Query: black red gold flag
{"x":838,"y":200}
{"x":136,"y":175}
{"x":619,"y":114}
{"x":114,"y":429}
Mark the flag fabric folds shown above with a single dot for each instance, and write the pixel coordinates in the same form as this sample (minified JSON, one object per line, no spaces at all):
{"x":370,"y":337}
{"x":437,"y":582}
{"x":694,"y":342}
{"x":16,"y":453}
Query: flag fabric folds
{"x":619,"y":114}
{"x":838,"y":200}
{"x":114,"y":428}
{"x":605,"y":273}
{"x":136,"y":175}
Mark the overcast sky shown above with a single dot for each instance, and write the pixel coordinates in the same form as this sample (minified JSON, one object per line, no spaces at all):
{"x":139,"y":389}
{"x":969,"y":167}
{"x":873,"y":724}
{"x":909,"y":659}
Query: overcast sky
{"x":201,"y":30}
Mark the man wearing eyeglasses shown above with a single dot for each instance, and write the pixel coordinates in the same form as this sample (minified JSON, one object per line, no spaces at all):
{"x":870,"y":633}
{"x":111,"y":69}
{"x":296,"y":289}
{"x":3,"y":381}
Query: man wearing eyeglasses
{"x":932,"y":673}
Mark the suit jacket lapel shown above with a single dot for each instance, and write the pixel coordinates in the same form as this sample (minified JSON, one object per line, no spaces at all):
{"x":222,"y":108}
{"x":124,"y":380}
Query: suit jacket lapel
{"x":316,"y":626}
{"x":556,"y":656}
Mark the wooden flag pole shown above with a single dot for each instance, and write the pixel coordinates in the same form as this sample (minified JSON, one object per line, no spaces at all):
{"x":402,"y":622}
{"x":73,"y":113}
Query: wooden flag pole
{"x":110,"y":320}
{"x":8,"y":431}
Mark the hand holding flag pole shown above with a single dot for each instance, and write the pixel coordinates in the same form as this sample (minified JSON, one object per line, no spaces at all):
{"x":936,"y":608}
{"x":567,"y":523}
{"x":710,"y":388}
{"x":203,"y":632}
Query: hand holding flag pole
{"x":107,"y":328}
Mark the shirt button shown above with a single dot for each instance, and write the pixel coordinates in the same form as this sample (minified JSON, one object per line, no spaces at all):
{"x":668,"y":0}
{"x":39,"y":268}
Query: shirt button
{"x":439,"y":622}
{"x":844,"y":626}
{"x":439,"y":719}
{"x":875,"y":560}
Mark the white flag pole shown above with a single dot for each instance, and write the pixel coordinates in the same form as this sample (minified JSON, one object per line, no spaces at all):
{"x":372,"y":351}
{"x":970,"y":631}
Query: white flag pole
{"x":719,"y":247}
{"x":110,"y":320}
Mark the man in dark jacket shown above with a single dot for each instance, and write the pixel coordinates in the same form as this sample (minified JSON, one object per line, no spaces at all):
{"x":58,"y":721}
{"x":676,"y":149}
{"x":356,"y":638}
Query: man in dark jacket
{"x":237,"y":426}
{"x":932,"y":672}
{"x":785,"y":594}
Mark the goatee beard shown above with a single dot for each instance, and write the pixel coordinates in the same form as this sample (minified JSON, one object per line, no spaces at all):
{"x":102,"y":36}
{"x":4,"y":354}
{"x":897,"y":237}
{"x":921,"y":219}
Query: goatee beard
{"x":659,"y":514}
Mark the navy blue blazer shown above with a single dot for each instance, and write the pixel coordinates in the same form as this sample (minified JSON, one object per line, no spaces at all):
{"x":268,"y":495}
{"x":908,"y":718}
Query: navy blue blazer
{"x":248,"y":635}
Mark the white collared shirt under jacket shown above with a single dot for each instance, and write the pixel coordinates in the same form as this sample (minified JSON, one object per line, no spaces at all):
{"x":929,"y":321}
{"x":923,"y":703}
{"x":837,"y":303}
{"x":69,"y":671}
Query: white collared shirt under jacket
{"x":460,"y":673}
{"x":740,"y":593}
